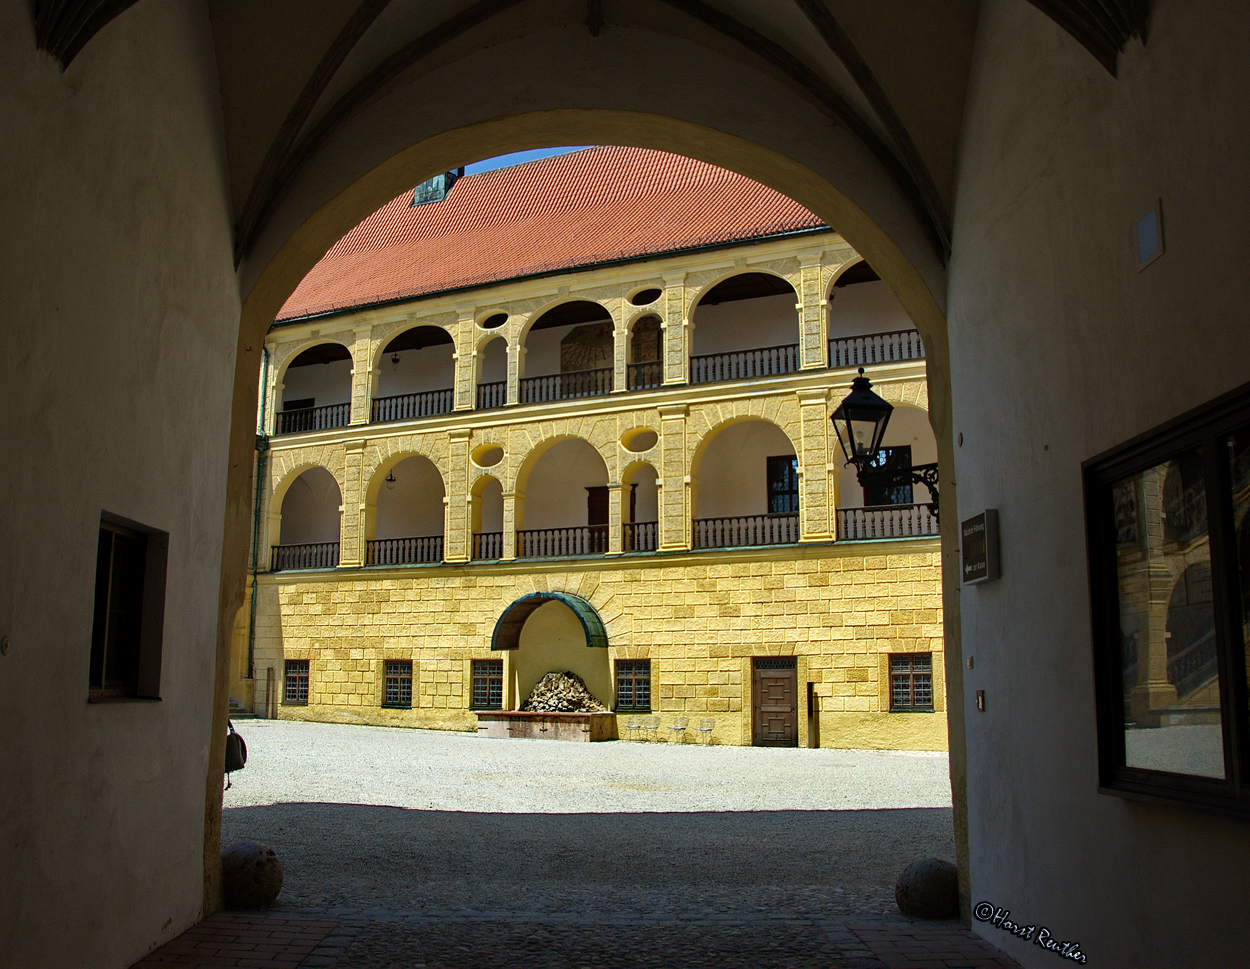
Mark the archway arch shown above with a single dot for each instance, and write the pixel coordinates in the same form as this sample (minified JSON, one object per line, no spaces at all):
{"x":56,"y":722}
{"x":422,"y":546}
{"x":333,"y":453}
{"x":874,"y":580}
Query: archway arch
{"x":746,"y":324}
{"x":744,"y":486}
{"x":405,"y":514}
{"x":316,"y":388}
{"x":568,"y":351}
{"x":640,"y":507}
{"x":415,"y":374}
{"x":486,"y":517}
{"x":564,"y":510}
{"x":645,"y":362}
{"x":490,"y":378}
{"x":308,"y":521}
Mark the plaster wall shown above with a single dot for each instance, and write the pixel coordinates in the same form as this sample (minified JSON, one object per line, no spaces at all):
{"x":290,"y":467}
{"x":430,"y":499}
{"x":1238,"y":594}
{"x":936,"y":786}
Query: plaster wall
{"x":746,"y":324}
{"x":414,"y":506}
{"x":733,"y":474}
{"x":310,"y":509}
{"x":115,"y":264}
{"x":552,"y":641}
{"x":326,"y":383}
{"x":1060,"y":350}
{"x":542,"y":349}
{"x":865,"y":308}
{"x":430,"y":368}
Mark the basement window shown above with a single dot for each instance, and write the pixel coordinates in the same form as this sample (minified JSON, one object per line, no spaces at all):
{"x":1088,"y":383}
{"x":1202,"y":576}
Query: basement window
{"x":295,"y":683}
{"x":397,"y":688}
{"x":487,"y":684}
{"x":1168,"y":531}
{"x":633,"y":685}
{"x":128,"y":625}
{"x":911,"y":682}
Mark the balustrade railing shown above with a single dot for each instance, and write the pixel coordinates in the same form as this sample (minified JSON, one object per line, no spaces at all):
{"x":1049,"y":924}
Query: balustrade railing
{"x":645,"y":376}
{"x":404,"y":551}
{"x":494,"y":394}
{"x":886,"y":521}
{"x":405,"y":407}
{"x":316,"y":555}
{"x":744,"y":364}
{"x":488,"y":545}
{"x":859,"y":351}
{"x":564,"y":386}
{"x":746,"y":530}
{"x":640,"y":536}
{"x":543,"y":543}
{"x":314,"y":418}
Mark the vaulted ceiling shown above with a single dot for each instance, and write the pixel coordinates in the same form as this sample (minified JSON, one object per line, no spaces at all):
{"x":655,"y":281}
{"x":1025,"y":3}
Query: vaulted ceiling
{"x":891,"y":72}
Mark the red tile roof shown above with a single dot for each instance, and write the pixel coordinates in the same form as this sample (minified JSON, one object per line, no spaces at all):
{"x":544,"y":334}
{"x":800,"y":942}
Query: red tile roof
{"x":574,"y":210}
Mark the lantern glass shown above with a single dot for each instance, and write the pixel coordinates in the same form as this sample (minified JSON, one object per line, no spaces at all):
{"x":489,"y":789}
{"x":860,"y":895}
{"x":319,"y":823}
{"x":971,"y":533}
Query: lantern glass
{"x":860,"y":422}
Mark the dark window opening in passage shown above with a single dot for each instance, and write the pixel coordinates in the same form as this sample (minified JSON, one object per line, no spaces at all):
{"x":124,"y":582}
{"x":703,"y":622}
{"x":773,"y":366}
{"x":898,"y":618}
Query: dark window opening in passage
{"x":783,"y":485}
{"x":911,"y":682}
{"x":398,"y":684}
{"x":127,"y":629}
{"x":487,"y":684}
{"x":884,"y":483}
{"x":296,"y":682}
{"x":633,"y":685}
{"x":304,"y":403}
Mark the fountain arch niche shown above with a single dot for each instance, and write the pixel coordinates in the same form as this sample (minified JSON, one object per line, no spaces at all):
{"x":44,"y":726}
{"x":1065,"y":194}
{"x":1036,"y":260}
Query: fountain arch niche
{"x":551,"y":632}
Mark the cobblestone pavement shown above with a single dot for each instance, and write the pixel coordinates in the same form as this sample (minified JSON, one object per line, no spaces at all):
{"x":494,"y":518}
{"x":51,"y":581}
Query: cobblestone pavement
{"x":440,"y":850}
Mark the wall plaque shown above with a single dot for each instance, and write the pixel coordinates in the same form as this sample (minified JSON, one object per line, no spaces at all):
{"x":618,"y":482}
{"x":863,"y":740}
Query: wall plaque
{"x":978,"y":537}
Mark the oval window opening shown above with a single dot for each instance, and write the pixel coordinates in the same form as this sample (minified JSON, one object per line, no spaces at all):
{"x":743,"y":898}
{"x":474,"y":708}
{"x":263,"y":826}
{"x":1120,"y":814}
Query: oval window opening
{"x":487,"y":455}
{"x":639,"y":439}
{"x":494,"y":322}
{"x":645,"y":297}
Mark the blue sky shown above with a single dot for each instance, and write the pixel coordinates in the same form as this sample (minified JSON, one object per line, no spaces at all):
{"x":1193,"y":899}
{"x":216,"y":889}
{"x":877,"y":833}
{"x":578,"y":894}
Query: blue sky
{"x":516,"y":158}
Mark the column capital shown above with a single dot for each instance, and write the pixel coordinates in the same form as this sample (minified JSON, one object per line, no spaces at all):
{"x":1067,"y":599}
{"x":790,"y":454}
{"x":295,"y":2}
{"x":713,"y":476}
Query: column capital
{"x":673,"y":411}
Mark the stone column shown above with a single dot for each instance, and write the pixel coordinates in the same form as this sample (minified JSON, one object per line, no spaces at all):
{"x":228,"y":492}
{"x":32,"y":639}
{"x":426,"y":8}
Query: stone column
{"x":674,"y":510}
{"x":620,"y":353}
{"x":516,"y":370}
{"x":272,"y":394}
{"x":813,"y":338}
{"x":354,"y":510}
{"x":364,"y":377}
{"x":464,"y":361}
{"x":513,"y":519}
{"x":616,"y":518}
{"x":815,"y":505}
{"x":675,"y":331}
{"x":458,"y":529}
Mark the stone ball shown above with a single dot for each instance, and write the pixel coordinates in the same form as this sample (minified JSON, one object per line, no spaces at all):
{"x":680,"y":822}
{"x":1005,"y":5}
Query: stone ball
{"x":251,"y":875}
{"x":928,"y":889}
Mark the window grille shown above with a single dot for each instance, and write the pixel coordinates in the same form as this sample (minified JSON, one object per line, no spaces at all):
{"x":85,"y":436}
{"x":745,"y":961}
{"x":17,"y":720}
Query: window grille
{"x":397,"y":683}
{"x":296,"y":681}
{"x":883,"y":484}
{"x":633,"y":685}
{"x":783,"y":485}
{"x":487,"y":684}
{"x":911,"y":682}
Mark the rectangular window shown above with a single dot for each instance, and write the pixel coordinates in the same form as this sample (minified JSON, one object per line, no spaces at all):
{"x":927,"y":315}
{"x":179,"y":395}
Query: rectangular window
{"x":1168,"y":529}
{"x":397,"y":687}
{"x":295,"y":690}
{"x":129,"y":618}
{"x":783,"y":485}
{"x":883,"y":484}
{"x":911,"y":682}
{"x":633,"y":685}
{"x":487,"y":684}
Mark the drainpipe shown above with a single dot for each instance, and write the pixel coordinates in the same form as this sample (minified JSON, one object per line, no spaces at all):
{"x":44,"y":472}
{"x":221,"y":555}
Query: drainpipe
{"x":262,"y":452}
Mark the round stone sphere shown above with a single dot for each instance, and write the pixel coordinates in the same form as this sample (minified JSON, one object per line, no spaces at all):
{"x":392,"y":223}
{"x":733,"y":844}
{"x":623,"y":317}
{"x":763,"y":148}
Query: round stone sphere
{"x":928,"y":889}
{"x":251,"y":875}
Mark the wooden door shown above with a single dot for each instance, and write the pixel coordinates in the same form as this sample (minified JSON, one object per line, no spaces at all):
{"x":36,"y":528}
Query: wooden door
{"x":774,"y":702}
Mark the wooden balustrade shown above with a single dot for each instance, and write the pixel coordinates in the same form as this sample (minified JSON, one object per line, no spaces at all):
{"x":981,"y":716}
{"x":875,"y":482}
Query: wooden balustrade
{"x":315,"y":555}
{"x":746,"y":530}
{"x":886,"y":521}
{"x":488,"y":545}
{"x":565,"y":386}
{"x":545,"y":543}
{"x":404,"y":551}
{"x":405,"y":407}
{"x":491,"y":395}
{"x":641,"y":536}
{"x":744,"y":364}
{"x":889,"y":347}
{"x":314,"y":418}
{"x":645,"y":376}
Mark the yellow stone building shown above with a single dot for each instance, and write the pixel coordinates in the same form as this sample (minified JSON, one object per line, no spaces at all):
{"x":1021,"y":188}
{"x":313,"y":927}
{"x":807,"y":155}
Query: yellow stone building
{"x":569,"y":450}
